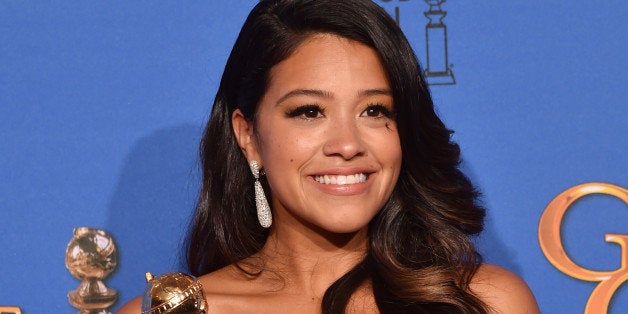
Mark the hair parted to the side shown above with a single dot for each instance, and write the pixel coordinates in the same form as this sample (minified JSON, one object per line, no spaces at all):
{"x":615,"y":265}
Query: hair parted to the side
{"x":420,"y":258}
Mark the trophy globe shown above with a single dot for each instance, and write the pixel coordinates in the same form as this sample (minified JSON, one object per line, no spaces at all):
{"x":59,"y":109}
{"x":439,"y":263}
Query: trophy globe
{"x":91,"y":256}
{"x":172,"y":293}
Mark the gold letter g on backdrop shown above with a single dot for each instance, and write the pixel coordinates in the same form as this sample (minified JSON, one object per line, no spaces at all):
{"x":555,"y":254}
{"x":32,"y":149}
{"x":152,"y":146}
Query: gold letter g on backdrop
{"x":551,"y":244}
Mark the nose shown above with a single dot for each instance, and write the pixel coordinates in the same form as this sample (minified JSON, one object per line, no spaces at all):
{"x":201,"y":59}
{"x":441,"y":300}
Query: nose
{"x":344,"y":140}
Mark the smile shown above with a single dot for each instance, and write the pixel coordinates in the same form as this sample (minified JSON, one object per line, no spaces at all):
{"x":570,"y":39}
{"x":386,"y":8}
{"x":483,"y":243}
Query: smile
{"x":341,"y":179}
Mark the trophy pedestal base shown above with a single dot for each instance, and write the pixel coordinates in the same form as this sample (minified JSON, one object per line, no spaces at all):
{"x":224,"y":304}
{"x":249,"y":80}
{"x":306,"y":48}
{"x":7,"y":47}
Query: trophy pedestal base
{"x":93,"y":304}
{"x":94,"y":312}
{"x":440,"y":78}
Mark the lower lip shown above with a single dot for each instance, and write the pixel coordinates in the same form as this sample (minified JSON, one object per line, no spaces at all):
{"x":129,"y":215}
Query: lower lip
{"x":343,"y":189}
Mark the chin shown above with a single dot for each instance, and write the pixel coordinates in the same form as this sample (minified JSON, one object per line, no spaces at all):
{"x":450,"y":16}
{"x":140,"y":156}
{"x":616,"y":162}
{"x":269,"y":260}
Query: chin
{"x":344,"y":227}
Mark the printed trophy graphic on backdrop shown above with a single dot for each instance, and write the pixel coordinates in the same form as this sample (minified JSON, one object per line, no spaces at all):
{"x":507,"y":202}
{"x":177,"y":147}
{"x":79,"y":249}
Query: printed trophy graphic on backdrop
{"x":438,"y":70}
{"x":91,"y":256}
{"x":552,"y":246}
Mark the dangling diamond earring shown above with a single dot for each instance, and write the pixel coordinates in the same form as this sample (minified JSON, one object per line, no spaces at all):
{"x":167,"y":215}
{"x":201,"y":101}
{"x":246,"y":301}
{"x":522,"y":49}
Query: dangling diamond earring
{"x":264,"y":215}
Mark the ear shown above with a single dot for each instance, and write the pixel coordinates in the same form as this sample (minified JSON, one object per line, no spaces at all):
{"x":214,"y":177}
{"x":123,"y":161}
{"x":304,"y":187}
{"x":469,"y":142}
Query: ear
{"x":243,"y":131}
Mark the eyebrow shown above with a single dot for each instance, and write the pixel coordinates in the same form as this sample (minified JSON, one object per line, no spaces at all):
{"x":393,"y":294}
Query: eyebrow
{"x":324,"y":94}
{"x":375,"y":92}
{"x":305,"y":92}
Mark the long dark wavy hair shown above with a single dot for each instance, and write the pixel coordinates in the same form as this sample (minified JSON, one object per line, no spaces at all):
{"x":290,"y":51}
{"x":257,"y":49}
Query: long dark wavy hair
{"x":420,"y":258}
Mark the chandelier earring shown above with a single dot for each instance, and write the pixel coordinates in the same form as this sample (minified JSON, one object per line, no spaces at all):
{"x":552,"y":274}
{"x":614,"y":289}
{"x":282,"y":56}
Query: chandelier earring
{"x":264,"y":215}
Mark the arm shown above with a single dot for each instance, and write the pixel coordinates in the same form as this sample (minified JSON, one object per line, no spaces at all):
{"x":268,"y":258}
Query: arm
{"x":132,"y":307}
{"x":503,"y":291}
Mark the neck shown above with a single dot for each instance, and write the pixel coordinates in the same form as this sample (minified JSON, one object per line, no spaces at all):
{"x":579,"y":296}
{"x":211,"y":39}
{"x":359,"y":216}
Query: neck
{"x":309,"y":259}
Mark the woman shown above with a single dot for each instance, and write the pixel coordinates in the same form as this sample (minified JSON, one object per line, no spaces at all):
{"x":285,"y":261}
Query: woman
{"x":355,"y":202}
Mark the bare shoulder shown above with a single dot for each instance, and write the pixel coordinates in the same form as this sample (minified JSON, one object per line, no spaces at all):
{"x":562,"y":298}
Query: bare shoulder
{"x":503,"y":291}
{"x":228,"y":290}
{"x":222,"y":281}
{"x":132,"y":307}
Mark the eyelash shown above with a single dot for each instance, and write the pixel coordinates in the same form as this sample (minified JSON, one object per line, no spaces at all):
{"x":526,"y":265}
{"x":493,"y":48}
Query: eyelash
{"x":315,"y":111}
{"x":382,"y":111}
{"x":305,"y":110}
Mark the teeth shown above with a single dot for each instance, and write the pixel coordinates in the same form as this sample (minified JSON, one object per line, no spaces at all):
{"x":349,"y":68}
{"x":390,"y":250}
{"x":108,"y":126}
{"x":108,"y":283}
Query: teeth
{"x":341,"y":180}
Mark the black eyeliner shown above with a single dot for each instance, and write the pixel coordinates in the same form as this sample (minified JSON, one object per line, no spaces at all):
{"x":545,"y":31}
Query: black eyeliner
{"x":383,"y":109}
{"x":303,"y":110}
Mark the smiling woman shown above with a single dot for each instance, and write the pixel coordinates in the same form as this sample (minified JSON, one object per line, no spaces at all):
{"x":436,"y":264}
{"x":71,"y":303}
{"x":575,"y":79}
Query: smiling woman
{"x":324,"y":101}
{"x":325,"y":136}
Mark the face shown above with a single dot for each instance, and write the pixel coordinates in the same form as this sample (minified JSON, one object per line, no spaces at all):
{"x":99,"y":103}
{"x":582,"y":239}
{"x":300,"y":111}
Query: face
{"x":325,"y":136}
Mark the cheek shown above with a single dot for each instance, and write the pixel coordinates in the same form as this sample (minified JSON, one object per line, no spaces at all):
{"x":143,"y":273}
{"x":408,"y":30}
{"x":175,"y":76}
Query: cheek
{"x":391,"y":157}
{"x":282,"y":147}
{"x":389,"y":147}
{"x":395,"y":151}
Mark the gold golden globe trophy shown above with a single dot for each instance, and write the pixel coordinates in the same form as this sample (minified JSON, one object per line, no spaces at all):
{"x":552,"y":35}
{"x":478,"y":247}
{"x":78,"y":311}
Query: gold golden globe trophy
{"x":90,"y":256}
{"x":173,"y":293}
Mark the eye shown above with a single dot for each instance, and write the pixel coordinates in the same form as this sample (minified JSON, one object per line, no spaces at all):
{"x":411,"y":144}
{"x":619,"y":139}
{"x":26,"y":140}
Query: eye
{"x":377,"y":111}
{"x":307,"y":112}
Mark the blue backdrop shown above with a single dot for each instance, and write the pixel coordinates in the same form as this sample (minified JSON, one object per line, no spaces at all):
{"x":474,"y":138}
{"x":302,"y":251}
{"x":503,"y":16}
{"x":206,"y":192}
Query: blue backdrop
{"x":102,"y":104}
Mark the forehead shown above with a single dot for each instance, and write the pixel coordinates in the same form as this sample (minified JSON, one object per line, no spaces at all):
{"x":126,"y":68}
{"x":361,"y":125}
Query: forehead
{"x":329,"y":62}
